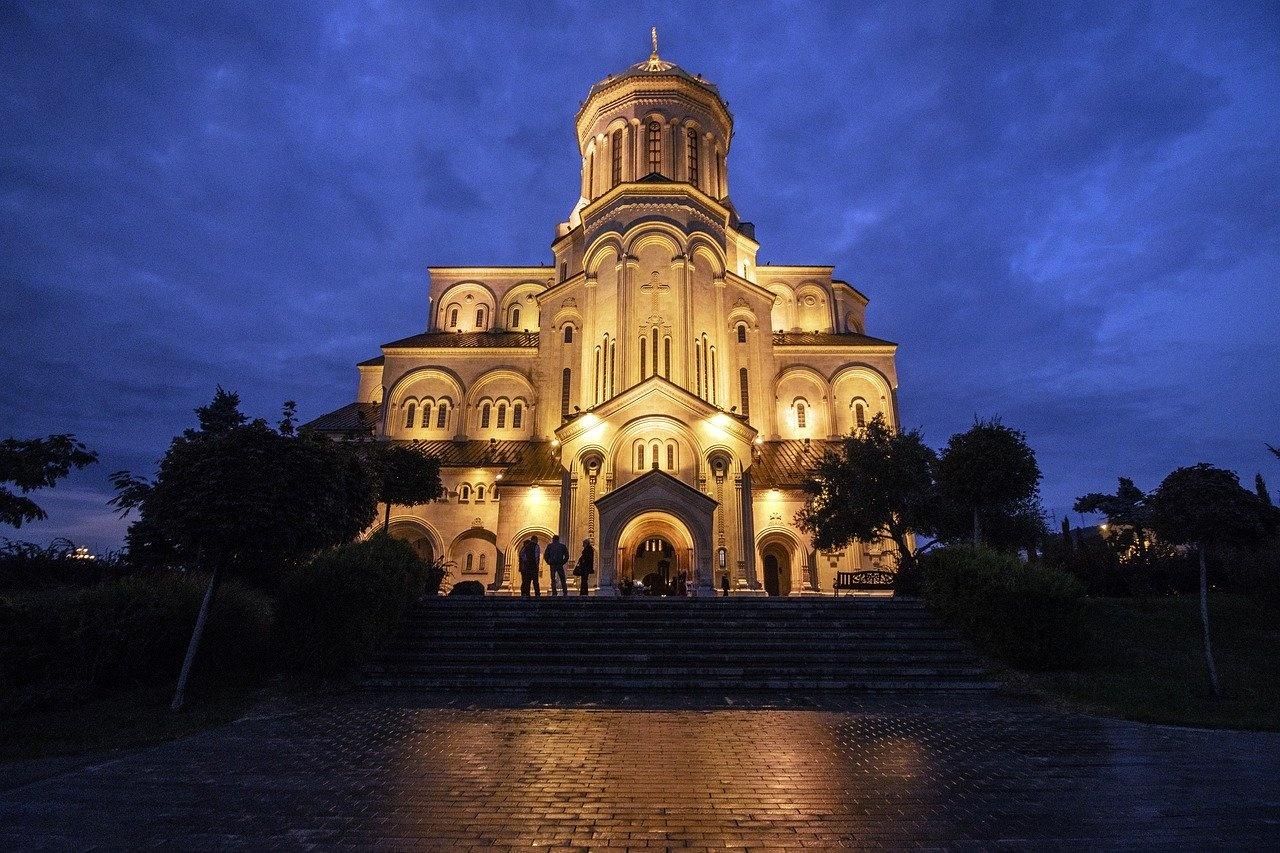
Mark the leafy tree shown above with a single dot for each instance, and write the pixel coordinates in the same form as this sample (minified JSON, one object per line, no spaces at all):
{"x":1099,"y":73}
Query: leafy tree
{"x":991,"y":471}
{"x":877,"y":486}
{"x":237,"y":497}
{"x":32,"y":464}
{"x":1260,"y":488}
{"x":406,"y":476}
{"x":1126,"y":509}
{"x":1203,"y":506}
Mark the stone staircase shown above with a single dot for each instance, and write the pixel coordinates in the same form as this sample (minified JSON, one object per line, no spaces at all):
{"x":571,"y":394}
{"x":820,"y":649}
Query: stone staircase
{"x":607,"y":645}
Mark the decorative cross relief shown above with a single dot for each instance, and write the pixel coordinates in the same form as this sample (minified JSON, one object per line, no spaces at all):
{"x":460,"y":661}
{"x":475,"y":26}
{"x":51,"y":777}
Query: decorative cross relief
{"x":653,"y":287}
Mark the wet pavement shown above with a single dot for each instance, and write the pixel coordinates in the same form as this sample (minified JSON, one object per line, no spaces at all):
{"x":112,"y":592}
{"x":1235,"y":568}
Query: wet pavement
{"x":398,"y":772}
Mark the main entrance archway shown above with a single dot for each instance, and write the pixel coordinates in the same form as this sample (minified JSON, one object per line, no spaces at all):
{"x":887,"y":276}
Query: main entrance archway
{"x":656,"y":542}
{"x":655,"y":506}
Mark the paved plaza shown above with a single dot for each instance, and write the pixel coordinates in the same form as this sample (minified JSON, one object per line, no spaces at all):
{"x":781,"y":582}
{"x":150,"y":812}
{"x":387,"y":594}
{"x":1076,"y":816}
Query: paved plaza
{"x":394,"y":772}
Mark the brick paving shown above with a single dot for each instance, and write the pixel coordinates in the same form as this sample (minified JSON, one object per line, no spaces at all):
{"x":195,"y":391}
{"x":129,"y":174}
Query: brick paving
{"x":392,"y":772}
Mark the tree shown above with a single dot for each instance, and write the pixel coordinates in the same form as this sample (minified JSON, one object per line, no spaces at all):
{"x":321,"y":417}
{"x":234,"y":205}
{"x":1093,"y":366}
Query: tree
{"x":1203,"y":506}
{"x":988,"y":470}
{"x":35,"y":463}
{"x":1126,"y":509}
{"x":406,"y":476}
{"x":877,"y":486}
{"x":1260,"y":488}
{"x":237,"y":497}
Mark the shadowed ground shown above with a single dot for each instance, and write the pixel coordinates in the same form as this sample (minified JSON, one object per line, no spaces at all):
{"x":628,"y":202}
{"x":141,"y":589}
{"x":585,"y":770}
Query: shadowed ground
{"x":389,"y":771}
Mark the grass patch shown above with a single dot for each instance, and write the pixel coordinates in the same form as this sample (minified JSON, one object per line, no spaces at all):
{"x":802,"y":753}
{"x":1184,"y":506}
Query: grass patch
{"x":1145,"y":662}
{"x":137,"y":718}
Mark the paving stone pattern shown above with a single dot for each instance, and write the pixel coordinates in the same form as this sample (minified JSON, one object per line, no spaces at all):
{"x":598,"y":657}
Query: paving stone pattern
{"x":389,"y":772}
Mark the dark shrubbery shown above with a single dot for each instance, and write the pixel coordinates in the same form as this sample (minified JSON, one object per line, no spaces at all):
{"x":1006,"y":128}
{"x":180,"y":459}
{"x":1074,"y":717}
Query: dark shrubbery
{"x":335,"y":610}
{"x":1027,"y":615}
{"x":467,"y":588}
{"x":126,"y":633}
{"x":27,"y":566}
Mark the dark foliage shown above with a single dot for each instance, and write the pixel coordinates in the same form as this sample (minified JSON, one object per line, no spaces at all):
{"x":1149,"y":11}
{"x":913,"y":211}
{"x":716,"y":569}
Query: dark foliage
{"x":122,"y":634}
{"x":405,"y":476}
{"x":1204,"y":505}
{"x":1026,"y":615}
{"x":468,"y":589}
{"x":878,"y":485}
{"x":27,"y":566}
{"x":37,"y":463}
{"x":990,"y":474}
{"x":335,"y":610}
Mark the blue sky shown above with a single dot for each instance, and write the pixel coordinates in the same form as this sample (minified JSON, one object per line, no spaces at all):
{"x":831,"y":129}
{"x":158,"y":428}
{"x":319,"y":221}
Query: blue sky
{"x":1066,"y":214}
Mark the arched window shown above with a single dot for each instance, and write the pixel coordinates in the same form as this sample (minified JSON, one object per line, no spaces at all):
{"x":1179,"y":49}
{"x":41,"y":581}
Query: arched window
{"x":655,"y":146}
{"x":639,"y":457}
{"x":568,"y":334}
{"x":860,"y":415}
{"x":480,"y":492}
{"x":410,"y":411}
{"x":564,"y":270}
{"x":484,"y":416}
{"x":442,"y":415}
{"x":470,"y":558}
{"x":591,"y":174}
{"x":453,"y":318}
{"x":671,"y":456}
{"x":644,"y":364}
{"x":719,"y":176}
{"x":597,"y":382}
{"x":426,"y":416}
{"x":479,"y":318}
{"x":484,"y":559}
{"x":713,"y":375}
{"x":742,"y":333}
{"x":464,"y":492}
{"x":666,"y":358}
{"x":565,"y":376}
{"x":655,"y":350}
{"x":517,"y":415}
{"x":744,"y":391}
{"x":693,"y":156}
{"x":502,"y":416}
{"x":615,"y":151}
{"x":697,"y":364}
{"x":613,"y":351}
{"x":800,"y":414}
{"x":656,"y":456}
{"x":515,"y":318}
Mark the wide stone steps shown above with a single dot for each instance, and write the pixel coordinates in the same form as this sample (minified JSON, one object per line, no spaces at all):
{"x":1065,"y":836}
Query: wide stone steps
{"x":600,"y":645}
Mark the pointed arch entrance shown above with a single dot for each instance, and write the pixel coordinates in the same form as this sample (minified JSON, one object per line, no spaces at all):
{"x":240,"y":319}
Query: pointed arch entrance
{"x":650,"y":540}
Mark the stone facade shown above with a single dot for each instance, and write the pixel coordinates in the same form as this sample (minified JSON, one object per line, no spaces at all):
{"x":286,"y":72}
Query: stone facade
{"x":652,"y":341}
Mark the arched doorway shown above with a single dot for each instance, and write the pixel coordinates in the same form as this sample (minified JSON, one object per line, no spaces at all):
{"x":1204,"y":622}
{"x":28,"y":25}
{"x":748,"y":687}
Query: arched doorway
{"x":775,"y":558}
{"x":656,"y":548}
{"x":418,"y":537}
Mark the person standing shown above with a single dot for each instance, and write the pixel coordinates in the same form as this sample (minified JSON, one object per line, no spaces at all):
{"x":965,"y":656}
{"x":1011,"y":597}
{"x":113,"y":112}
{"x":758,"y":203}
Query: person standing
{"x":528,"y":559}
{"x":586,"y":566}
{"x":557,"y":555}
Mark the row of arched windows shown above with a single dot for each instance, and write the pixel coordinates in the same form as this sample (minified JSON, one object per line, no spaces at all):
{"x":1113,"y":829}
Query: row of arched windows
{"x":475,"y":564}
{"x":651,"y":455}
{"x":605,"y":359}
{"x":650,"y":365}
{"x":488,"y":410}
{"x":477,"y":493}
{"x":425,"y":414}
{"x":481,"y":317}
{"x":704,"y":368}
{"x":666,"y":155}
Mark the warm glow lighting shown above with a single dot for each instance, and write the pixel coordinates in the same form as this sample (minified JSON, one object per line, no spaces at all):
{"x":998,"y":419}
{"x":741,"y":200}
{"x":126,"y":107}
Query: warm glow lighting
{"x":498,"y":476}
{"x":555,"y":442}
{"x":589,"y":420}
{"x":774,"y":494}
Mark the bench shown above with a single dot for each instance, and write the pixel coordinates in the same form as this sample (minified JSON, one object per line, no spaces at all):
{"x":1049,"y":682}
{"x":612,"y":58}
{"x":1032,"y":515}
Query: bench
{"x":869,"y":580}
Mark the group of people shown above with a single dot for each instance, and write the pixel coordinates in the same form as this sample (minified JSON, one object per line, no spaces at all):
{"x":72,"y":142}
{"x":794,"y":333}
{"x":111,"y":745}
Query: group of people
{"x":556,"y":558}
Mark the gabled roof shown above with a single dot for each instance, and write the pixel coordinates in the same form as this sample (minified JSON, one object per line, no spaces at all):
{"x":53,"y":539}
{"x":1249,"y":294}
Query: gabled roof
{"x":692,"y":401}
{"x":650,"y":479}
{"x":521,"y":461}
{"x":467,"y":340}
{"x":828,"y":339}
{"x":785,"y":464}
{"x":353,"y":419}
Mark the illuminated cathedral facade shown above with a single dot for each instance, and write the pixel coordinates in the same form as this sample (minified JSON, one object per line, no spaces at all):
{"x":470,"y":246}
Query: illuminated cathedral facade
{"x":652,"y":389}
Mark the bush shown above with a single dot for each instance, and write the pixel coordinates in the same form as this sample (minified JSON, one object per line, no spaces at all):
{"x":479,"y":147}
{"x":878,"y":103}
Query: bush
{"x":1027,"y":615}
{"x":27,"y":566}
{"x":467,"y":588}
{"x":129,"y":632}
{"x":335,"y":611}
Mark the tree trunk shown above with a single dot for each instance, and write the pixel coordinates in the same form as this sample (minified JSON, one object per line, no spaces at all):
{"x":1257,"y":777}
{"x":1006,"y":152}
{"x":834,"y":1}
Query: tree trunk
{"x":977,"y":529}
{"x":180,"y":693}
{"x":1204,"y":623}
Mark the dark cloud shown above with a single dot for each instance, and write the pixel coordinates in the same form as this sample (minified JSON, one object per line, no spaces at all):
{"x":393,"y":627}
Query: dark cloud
{"x":1065,"y":214}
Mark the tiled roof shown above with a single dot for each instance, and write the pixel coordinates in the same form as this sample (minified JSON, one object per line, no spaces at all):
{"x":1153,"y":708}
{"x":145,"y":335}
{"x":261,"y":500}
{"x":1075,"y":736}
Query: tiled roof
{"x":827,"y":339}
{"x":376,"y":361}
{"x":521,"y":461}
{"x":356,"y":418}
{"x":462,"y":340}
{"x":782,"y":464}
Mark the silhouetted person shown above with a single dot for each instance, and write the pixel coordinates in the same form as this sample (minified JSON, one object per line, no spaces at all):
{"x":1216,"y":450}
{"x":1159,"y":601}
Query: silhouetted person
{"x":557,"y":555}
{"x":586,"y":566}
{"x":529,"y":568}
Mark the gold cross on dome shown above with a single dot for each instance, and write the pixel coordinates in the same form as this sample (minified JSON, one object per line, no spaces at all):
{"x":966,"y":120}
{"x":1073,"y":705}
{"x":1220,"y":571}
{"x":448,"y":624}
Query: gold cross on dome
{"x":653,"y":33}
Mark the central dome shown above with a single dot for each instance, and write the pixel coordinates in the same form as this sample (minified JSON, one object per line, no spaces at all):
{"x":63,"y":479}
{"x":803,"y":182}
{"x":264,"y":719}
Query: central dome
{"x":654,"y":66}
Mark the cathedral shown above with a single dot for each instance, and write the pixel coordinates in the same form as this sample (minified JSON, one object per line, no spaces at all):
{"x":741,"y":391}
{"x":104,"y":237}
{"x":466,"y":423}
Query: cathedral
{"x":652,"y":389}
